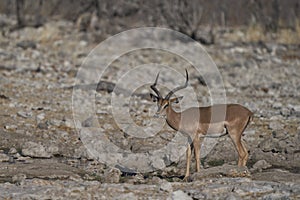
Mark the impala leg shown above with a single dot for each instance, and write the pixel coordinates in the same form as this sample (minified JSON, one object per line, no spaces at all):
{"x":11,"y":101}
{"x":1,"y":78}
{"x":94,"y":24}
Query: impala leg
{"x":243,"y":154}
{"x":247,"y":155}
{"x":188,"y":162}
{"x":196,"y":144}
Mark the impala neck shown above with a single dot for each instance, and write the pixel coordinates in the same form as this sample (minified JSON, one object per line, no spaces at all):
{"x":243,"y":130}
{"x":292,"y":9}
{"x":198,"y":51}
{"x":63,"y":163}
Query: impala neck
{"x":173,"y":118}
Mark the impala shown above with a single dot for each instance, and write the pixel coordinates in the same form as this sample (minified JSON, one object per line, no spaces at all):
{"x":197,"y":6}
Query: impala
{"x":199,"y":122}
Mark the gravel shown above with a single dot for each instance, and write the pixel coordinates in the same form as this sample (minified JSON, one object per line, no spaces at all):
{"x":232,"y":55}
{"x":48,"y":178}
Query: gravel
{"x":43,"y":153}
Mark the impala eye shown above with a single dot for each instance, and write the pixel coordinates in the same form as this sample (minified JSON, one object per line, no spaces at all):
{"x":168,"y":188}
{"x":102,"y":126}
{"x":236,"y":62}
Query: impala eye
{"x":166,"y":106}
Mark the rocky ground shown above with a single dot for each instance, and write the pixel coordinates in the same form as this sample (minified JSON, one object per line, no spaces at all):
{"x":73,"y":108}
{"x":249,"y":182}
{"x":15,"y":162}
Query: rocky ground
{"x":42,"y":155}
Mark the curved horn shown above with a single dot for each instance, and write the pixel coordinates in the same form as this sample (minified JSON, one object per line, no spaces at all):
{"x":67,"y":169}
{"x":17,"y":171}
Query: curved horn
{"x":153,"y":86}
{"x":180,"y":87}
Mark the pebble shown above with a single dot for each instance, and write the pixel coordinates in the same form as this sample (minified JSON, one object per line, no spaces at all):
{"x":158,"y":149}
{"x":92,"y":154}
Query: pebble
{"x":112,"y":175}
{"x":180,"y":195}
{"x":26,"y":44}
{"x":35,"y":150}
{"x":36,"y":74}
{"x":166,"y":186}
{"x":276,"y":125}
{"x":260,"y":165}
{"x":19,"y":179}
{"x":40,"y":117}
{"x":24,"y":114}
{"x":4,"y":157}
{"x":10,"y":127}
{"x":12,"y":151}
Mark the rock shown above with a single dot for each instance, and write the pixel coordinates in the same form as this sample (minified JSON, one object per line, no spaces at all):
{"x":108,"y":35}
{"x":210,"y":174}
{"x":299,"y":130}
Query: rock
{"x":280,"y":134}
{"x":137,"y":179}
{"x":10,"y":127}
{"x":40,"y":117}
{"x":277,"y":105}
{"x":24,"y":114}
{"x":55,"y":122}
{"x":90,"y":122}
{"x":277,"y":195}
{"x":4,"y":157}
{"x":112,"y":175}
{"x":19,"y":179}
{"x":42,"y":125}
{"x":180,"y":195}
{"x":35,"y":150}
{"x":12,"y":151}
{"x":260,"y":165}
{"x":155,"y":180}
{"x":26,"y":44}
{"x":82,"y":153}
{"x":166,"y":186}
{"x":68,"y":123}
{"x":270,"y":145}
{"x":276,"y":125}
{"x":126,"y":196}
{"x":295,"y":110}
{"x":53,"y":149}
{"x":286,"y":112}
{"x":105,"y":86}
{"x":23,"y":158}
{"x":232,"y":197}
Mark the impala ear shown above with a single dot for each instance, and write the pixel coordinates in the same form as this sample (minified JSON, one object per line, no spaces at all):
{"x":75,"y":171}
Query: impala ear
{"x":176,"y":100}
{"x":153,"y":97}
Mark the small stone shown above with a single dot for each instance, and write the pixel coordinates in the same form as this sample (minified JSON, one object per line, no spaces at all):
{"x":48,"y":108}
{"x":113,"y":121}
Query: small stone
{"x":53,"y":149}
{"x":286,"y":112}
{"x":270,"y":145}
{"x":40,"y":117}
{"x":126,"y":196}
{"x":157,"y":162}
{"x":26,"y":44}
{"x":35,"y":150}
{"x":155,"y":180}
{"x":180,"y":195}
{"x":276,"y":125}
{"x":296,"y":108}
{"x":43,"y":126}
{"x":112,"y":175}
{"x":260,"y":165}
{"x":24,"y":114}
{"x":12,"y":151}
{"x":166,"y":186}
{"x":277,"y":105}
{"x":232,"y":197}
{"x":280,"y":134}
{"x":55,"y":122}
{"x":107,"y":127}
{"x":68,"y":123}
{"x":10,"y":127}
{"x":89,"y":122}
{"x":20,"y":131}
{"x":19,"y":179}
{"x":4,"y":157}
{"x":277,"y":195}
{"x":23,"y":158}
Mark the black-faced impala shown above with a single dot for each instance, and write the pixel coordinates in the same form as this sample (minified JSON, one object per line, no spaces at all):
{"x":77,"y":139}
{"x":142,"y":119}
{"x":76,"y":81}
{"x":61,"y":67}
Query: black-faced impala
{"x":199,"y":122}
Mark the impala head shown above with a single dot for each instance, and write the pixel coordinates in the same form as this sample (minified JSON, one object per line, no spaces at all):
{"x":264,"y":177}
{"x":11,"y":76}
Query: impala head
{"x":164,"y":103}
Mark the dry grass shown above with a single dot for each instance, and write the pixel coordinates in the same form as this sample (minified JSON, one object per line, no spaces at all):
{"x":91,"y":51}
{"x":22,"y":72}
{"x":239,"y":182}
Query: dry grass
{"x":255,"y":33}
{"x":289,"y":36}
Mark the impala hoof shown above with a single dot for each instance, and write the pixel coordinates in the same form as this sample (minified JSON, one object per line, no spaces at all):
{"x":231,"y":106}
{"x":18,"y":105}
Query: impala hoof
{"x":187,"y":179}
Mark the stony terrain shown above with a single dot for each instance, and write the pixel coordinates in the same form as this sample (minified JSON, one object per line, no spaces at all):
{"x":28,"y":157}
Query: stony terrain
{"x":42,"y":155}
